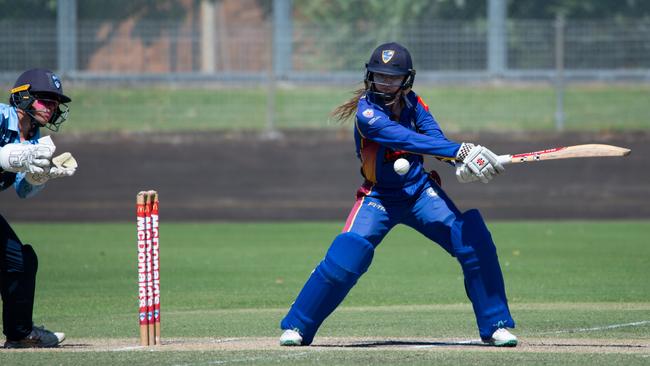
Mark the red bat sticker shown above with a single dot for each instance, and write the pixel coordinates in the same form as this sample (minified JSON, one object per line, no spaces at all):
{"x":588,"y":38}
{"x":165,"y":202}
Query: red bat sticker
{"x":538,"y":152}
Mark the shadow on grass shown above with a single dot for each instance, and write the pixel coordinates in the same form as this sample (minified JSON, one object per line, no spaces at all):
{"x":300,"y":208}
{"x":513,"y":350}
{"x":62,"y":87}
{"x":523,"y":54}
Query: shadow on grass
{"x":472,"y":343}
{"x":407,"y":343}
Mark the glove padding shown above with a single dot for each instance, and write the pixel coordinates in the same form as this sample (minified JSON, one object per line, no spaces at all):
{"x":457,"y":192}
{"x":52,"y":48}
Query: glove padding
{"x":26,"y":158}
{"x":65,"y":160}
{"x":64,"y":165}
{"x":478,"y":163}
{"x":464,"y":175}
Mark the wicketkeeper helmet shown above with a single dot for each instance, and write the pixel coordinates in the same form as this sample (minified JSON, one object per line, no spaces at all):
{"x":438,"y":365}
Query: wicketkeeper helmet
{"x":40,"y":84}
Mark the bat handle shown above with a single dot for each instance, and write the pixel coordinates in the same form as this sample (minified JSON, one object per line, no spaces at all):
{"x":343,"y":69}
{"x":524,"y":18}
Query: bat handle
{"x":504,"y":159}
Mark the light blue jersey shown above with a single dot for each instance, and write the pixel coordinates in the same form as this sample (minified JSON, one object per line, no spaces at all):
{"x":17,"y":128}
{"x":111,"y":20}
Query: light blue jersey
{"x":10,"y":134}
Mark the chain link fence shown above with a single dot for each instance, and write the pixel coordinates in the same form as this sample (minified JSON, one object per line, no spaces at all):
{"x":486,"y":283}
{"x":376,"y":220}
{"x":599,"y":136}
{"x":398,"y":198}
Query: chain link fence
{"x":146,"y":74}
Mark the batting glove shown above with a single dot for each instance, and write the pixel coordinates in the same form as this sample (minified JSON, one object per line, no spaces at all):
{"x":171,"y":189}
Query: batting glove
{"x":464,"y":175}
{"x":479,"y":161}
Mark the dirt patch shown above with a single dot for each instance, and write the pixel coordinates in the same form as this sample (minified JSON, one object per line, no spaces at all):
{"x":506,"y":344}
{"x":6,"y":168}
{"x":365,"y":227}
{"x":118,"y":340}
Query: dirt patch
{"x":555,"y":345}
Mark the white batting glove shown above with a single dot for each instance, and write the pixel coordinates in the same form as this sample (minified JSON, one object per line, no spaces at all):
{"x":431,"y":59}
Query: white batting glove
{"x":63,"y":165}
{"x":480,"y":161}
{"x":26,"y":158}
{"x":464,"y":175}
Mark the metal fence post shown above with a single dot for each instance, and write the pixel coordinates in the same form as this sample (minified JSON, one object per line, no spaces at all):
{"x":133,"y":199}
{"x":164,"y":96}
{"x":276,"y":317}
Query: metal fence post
{"x":559,"y":71}
{"x":497,"y":48}
{"x":282,"y":35}
{"x":66,"y":25}
{"x":279,"y":61}
{"x":208,"y":32}
{"x":270,"y":131}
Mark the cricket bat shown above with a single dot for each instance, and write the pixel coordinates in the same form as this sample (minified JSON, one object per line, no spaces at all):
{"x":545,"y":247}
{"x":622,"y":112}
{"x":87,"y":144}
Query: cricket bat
{"x":566,"y":152}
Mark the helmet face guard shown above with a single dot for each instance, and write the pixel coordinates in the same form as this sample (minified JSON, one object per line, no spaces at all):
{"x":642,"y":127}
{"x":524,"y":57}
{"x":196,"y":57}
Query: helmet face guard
{"x":391,"y":59}
{"x":21,"y":98}
{"x":59,"y":115}
{"x":385,"y":97}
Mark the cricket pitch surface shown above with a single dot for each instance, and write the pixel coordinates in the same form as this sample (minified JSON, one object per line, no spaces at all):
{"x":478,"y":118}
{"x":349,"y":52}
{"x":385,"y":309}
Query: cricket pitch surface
{"x":528,"y":344}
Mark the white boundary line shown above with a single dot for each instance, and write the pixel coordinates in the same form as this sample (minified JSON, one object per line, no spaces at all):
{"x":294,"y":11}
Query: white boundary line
{"x":613,"y":326}
{"x":132,"y":348}
{"x":249,"y":359}
{"x":127,"y":348}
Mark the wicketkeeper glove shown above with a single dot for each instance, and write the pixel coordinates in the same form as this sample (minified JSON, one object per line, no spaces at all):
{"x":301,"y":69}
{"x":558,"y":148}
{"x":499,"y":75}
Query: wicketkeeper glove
{"x":63,"y":165}
{"x":25,"y":158}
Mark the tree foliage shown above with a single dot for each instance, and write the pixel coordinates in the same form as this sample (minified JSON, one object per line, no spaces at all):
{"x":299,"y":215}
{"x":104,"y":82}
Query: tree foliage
{"x":579,"y":9}
{"x":393,"y":12}
{"x":93,"y":9}
{"x":28,"y":9}
{"x":400,"y":12}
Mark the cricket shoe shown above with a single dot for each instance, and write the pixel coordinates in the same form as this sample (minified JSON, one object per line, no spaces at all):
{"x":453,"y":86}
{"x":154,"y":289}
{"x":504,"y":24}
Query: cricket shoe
{"x":291,"y":337}
{"x":38,"y":338}
{"x":501,"y":338}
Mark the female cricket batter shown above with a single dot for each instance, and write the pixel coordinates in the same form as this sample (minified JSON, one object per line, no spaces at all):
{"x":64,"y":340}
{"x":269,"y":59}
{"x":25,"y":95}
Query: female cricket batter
{"x":37,"y":100}
{"x":392,"y":122}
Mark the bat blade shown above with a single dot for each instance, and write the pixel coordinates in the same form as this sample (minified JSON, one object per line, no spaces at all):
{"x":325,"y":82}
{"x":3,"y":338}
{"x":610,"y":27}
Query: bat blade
{"x":566,"y":152}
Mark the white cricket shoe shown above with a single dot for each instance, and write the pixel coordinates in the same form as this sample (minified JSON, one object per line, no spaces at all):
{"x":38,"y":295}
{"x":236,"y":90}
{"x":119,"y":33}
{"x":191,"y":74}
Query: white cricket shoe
{"x":60,"y":336}
{"x":502,"y":338}
{"x":290,"y":337}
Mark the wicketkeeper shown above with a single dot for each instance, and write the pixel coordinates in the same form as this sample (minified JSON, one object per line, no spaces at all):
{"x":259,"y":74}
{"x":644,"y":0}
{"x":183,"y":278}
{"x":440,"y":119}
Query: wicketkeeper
{"x":27,"y":163}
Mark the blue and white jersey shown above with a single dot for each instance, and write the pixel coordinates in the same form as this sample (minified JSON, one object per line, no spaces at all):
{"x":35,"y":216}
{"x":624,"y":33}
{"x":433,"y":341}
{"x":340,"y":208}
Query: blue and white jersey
{"x":381,"y":140}
{"x":10,"y":134}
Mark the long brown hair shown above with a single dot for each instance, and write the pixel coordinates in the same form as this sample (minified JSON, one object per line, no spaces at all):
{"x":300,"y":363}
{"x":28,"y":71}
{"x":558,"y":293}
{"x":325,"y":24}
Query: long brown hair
{"x":348,"y":109}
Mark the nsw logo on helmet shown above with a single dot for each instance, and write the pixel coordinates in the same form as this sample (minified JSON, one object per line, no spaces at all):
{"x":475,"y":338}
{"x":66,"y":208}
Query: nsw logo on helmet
{"x":386,"y":55}
{"x":56,"y":81}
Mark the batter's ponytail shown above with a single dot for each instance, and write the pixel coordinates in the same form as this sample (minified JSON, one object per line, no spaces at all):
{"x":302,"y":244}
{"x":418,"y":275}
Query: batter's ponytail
{"x":348,"y":109}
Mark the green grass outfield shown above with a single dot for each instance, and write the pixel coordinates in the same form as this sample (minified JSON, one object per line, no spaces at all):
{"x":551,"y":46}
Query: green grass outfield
{"x":458,"y":108}
{"x":580,"y":292}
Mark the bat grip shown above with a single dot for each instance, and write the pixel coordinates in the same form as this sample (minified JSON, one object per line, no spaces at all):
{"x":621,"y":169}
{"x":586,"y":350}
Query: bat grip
{"x":504,"y":159}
